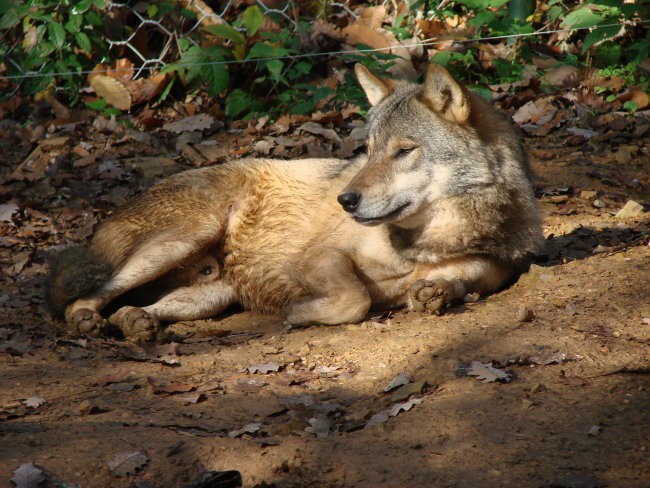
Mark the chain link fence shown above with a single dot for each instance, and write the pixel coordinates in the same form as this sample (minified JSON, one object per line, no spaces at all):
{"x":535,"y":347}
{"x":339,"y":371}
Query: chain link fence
{"x":153,"y":36}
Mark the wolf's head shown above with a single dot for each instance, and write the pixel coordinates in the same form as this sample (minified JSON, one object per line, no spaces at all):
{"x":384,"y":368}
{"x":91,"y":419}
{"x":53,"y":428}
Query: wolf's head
{"x":425,"y":142}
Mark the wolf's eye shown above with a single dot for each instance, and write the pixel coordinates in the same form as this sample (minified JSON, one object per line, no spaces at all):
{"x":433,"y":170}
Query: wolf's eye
{"x":404,"y":151}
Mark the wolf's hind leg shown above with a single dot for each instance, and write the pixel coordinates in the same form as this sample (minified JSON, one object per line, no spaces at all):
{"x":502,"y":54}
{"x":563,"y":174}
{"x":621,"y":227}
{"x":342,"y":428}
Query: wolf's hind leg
{"x":452,"y":280}
{"x":194,"y":302}
{"x":186,"y":303}
{"x":150,"y":261}
{"x":336,"y":294}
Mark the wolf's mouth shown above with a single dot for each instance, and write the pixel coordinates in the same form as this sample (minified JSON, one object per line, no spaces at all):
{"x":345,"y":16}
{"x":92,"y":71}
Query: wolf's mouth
{"x":376,"y":220}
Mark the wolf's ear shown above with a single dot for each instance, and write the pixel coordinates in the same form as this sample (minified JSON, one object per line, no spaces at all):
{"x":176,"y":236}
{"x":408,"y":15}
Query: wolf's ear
{"x":376,"y":88}
{"x":445,"y":96}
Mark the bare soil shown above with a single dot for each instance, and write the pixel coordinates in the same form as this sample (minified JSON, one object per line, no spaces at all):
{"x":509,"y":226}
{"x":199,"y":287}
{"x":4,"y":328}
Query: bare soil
{"x":574,"y":413}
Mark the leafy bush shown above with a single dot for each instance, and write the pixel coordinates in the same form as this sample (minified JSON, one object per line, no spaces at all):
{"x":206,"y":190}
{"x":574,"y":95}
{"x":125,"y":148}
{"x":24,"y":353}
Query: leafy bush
{"x":50,"y":36}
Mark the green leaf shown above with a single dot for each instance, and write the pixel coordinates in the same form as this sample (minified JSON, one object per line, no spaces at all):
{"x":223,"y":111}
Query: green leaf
{"x":152,"y":10}
{"x":238,"y":102}
{"x":554,"y":12}
{"x":97,"y":104}
{"x":582,"y":17}
{"x":302,"y":108}
{"x":93,"y":18}
{"x":227,"y":31}
{"x":598,"y":35}
{"x":252,"y":20}
{"x":56,"y":34}
{"x":74,"y":24}
{"x":216,"y":76}
{"x":483,"y":18}
{"x":83,"y":41}
{"x":264,"y":50}
{"x":100,"y":4}
{"x":608,"y":54}
{"x":80,"y":7}
{"x":630,"y":106}
{"x":9,"y":19}
{"x":274,"y":68}
{"x":188,"y":14}
{"x":112,"y":111}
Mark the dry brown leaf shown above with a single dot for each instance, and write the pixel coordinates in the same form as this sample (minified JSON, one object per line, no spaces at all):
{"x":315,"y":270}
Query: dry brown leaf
{"x":123,"y":71}
{"x":563,"y":76}
{"x":373,"y":17}
{"x":362,"y":34}
{"x":127,"y":463}
{"x":190,"y":124}
{"x":28,"y":476}
{"x":536,"y":112}
{"x":112,"y":90}
{"x":144,"y":89}
{"x":171,"y":388}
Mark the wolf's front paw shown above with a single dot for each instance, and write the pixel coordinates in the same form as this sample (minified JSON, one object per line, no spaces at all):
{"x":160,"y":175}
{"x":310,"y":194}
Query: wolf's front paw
{"x":85,"y":322}
{"x":431,"y":296}
{"x":136,"y":324}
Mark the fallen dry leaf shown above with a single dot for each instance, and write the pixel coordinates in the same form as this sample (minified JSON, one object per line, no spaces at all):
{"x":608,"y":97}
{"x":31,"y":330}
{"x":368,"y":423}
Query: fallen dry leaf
{"x":112,"y":90}
{"x":487,"y":373}
{"x":405,"y":391}
{"x":317,"y":129}
{"x":381,"y":417}
{"x":264,"y":368}
{"x":127,"y":463}
{"x":27,"y":476}
{"x":117,"y":377}
{"x":171,"y":388}
{"x":190,"y":124}
{"x":34,"y":402}
{"x":320,"y":426}
{"x":8,"y":210}
{"x":630,"y":209}
{"x":525,"y":314}
{"x":246,"y":429}
{"x":399,"y":380}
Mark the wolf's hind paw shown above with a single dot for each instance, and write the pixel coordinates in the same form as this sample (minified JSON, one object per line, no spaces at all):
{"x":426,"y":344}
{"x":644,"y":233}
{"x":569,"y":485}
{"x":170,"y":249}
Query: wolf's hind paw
{"x":431,"y":296}
{"x":136,"y":324}
{"x":85,"y":322}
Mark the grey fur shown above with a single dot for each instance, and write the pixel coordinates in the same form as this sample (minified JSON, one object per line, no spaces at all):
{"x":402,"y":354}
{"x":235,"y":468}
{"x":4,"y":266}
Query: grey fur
{"x":74,"y":272}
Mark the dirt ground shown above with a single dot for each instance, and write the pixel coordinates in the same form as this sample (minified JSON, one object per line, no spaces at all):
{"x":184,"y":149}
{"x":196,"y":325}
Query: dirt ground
{"x":306,"y":406}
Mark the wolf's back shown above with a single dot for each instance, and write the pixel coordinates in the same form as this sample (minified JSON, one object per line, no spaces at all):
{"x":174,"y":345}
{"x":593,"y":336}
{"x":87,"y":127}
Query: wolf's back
{"x":74,"y":272}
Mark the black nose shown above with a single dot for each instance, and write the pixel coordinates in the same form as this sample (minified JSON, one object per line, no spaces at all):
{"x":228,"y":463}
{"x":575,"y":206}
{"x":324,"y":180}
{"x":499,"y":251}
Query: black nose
{"x":349,"y":200}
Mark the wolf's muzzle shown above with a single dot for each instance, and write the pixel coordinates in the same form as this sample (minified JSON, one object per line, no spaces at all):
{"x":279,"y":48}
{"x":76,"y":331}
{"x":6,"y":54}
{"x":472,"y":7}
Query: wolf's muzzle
{"x":349,"y":200}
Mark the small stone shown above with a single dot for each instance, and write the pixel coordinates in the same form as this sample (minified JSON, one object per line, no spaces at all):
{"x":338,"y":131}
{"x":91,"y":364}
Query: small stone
{"x":537,"y":387}
{"x":623,"y":155}
{"x":598,"y":203}
{"x":527,"y":403}
{"x":630,"y":209}
{"x":588,"y":194}
{"x":556,"y":199}
{"x":594,"y":430}
{"x":525,"y":314}
{"x":471,"y":298}
{"x":572,"y":309}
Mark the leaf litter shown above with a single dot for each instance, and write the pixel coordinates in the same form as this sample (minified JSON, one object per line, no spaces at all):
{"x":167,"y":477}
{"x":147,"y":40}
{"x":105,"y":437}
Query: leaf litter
{"x":28,"y":476}
{"x":127,"y":463}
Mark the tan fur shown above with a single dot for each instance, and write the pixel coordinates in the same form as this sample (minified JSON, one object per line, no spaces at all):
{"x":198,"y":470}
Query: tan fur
{"x":271,"y":236}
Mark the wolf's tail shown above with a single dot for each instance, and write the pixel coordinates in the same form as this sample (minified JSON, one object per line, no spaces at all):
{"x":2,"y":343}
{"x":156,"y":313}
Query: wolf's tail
{"x":74,"y":272}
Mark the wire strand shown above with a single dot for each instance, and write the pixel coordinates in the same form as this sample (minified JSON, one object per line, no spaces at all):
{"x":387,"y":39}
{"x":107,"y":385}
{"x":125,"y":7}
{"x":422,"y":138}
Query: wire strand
{"x":424,"y":43}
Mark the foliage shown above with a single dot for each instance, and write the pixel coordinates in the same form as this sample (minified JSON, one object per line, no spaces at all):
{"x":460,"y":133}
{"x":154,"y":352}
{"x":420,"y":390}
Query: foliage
{"x":50,"y":36}
{"x":611,"y":39}
{"x":255,"y":69}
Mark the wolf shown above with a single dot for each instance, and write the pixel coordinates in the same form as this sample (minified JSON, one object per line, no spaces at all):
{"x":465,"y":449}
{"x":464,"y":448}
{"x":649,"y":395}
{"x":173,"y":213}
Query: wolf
{"x":439,"y":206}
